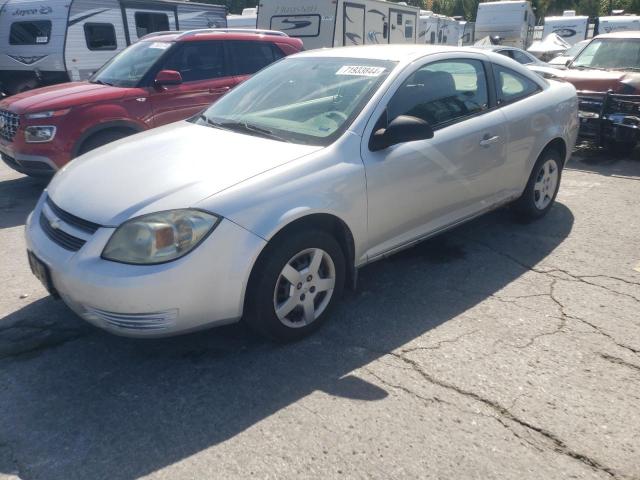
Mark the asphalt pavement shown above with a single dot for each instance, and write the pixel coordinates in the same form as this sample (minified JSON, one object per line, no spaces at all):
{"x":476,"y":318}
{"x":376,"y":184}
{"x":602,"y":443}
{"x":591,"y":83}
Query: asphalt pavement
{"x":499,"y":350}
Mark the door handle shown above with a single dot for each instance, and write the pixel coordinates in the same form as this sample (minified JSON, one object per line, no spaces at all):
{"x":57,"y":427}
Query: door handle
{"x":487,"y":141}
{"x":220,"y":90}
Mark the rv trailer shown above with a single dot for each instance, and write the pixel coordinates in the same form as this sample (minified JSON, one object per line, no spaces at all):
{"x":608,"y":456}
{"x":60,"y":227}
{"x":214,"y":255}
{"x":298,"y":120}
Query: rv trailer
{"x":512,"y":20}
{"x":52,"y":41}
{"x":337,"y":23}
{"x":248,"y":19}
{"x":570,"y":27}
{"x":617,"y":23}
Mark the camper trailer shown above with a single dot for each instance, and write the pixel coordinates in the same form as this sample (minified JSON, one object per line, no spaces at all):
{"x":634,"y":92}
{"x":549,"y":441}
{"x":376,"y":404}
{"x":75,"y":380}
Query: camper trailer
{"x":617,"y":23}
{"x":51,"y":41}
{"x":336,"y":23}
{"x":570,"y":27}
{"x":435,"y":29}
{"x":512,"y":21}
{"x":248,"y":19}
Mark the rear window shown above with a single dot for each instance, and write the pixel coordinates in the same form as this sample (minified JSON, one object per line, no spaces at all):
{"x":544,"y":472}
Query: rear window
{"x":30,"y":33}
{"x":249,"y":57}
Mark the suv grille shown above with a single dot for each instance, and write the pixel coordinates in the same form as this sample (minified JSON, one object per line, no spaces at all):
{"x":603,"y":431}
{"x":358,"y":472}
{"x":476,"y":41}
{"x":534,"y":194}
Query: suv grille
{"x":9,"y":123}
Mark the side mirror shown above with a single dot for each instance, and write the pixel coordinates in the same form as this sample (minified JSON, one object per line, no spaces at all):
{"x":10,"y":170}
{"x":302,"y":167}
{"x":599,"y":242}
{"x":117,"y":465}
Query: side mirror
{"x":566,"y":64}
{"x":402,"y":129}
{"x":168,"y":77}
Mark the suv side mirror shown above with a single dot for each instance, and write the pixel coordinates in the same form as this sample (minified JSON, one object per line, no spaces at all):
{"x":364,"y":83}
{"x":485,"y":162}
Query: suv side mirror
{"x":566,"y":64}
{"x":402,"y":129}
{"x":168,"y":77}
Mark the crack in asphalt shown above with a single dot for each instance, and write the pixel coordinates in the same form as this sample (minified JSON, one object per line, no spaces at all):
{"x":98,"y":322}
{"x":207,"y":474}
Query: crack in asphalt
{"x":619,"y":361}
{"x":29,"y":339}
{"x":440,"y":343}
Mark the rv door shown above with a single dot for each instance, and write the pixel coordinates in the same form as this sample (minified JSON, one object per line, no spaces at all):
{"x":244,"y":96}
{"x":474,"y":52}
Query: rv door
{"x":402,"y":26}
{"x":353,"y":24}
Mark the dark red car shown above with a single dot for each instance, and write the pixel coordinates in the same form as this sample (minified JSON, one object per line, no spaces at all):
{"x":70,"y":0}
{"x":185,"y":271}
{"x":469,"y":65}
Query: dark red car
{"x":161,"y":79}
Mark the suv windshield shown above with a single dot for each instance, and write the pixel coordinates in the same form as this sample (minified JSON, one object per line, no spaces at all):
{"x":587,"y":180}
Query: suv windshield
{"x":127,"y":68}
{"x":610,"y":54}
{"x":300,"y":100}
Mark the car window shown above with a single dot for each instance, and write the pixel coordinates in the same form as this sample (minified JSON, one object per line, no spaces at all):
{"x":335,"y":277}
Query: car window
{"x":100,"y":36}
{"x":198,"y":61}
{"x":30,"y":33}
{"x":249,"y":57}
{"x":442,"y":92}
{"x":512,"y":86}
{"x":521,"y":57}
{"x":506,"y":53}
{"x":147,"y":22}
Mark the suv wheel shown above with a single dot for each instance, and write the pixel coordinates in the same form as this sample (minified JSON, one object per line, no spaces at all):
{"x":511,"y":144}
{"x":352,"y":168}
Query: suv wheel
{"x":102,"y":138}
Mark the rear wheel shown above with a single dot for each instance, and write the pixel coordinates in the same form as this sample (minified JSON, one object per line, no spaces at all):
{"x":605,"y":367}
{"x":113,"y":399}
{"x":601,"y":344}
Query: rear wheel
{"x":102,"y":138}
{"x":542,"y":187}
{"x":295,"y":286}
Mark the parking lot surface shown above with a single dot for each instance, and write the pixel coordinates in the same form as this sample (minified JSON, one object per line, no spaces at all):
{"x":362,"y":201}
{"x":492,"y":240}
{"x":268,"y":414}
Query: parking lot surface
{"x":497,"y":350}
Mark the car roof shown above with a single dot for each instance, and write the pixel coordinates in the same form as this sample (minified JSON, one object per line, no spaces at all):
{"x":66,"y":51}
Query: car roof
{"x":217,"y":34}
{"x":398,"y":53}
{"x":497,"y":47}
{"x":623,"y":34}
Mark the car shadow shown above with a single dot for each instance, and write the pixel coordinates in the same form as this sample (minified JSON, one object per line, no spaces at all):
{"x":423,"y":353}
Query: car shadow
{"x":589,"y":158}
{"x":78,"y":403}
{"x":18,"y":197}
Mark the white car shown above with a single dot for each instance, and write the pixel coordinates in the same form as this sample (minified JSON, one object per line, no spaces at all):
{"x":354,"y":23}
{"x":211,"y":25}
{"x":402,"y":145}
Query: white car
{"x":265,"y":206}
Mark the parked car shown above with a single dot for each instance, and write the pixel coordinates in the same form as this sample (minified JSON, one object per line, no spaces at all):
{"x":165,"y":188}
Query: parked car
{"x":265,"y":206}
{"x":517,"y":54}
{"x":163,"y":78}
{"x":606,"y":74}
{"x":562,"y":60}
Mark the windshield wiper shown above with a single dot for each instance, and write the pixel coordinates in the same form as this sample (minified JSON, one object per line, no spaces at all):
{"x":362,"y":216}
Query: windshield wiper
{"x":102,"y":82}
{"x":586,"y":67}
{"x":633,"y":69}
{"x":248,"y":128}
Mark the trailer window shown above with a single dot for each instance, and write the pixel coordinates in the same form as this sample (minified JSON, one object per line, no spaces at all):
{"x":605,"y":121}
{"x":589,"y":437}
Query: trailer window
{"x":30,"y":33}
{"x":147,"y":22}
{"x":100,"y":36}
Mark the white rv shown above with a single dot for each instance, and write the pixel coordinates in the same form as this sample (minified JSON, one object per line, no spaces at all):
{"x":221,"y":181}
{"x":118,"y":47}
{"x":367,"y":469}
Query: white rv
{"x":336,"y":23}
{"x":435,"y":29}
{"x":617,"y":23}
{"x":51,"y":41}
{"x":570,"y":27}
{"x":512,"y":21}
{"x":248,"y":19}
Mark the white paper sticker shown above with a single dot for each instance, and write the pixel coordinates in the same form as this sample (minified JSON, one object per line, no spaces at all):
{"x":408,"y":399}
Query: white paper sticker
{"x":361,"y":71}
{"x":160,"y":45}
{"x":42,"y":39}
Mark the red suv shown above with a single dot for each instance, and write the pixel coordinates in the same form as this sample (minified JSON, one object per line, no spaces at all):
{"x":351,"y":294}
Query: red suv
{"x":163,"y":78}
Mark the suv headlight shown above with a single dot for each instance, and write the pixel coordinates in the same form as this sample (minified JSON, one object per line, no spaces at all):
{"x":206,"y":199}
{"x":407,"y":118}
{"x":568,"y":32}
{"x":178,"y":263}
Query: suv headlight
{"x":39,"y":134}
{"x":159,"y":237}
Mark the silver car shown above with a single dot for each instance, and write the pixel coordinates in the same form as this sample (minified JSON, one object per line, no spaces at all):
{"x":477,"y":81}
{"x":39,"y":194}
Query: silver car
{"x":263,"y":207}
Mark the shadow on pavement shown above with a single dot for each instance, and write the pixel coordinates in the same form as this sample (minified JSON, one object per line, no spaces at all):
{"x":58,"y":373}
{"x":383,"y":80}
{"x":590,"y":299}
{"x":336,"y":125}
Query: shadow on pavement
{"x":589,"y":158}
{"x":18,"y":197}
{"x":92,"y":405}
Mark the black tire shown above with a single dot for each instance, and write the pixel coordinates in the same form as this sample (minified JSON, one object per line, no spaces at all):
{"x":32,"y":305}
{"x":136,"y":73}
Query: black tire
{"x":260,"y":309}
{"x":102,"y":138}
{"x":526,"y":205}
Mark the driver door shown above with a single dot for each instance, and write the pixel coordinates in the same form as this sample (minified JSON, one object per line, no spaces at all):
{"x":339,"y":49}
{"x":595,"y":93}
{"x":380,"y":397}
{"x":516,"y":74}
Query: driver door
{"x":417,"y":188}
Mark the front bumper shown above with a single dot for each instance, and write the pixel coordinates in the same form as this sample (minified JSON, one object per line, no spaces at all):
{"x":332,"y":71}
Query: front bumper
{"x":33,"y":165}
{"x":204,"y":288}
{"x":609,"y":117}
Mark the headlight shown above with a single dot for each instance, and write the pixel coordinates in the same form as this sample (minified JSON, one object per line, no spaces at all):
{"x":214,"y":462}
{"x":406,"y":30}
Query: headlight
{"x":47,"y":114}
{"x":39,"y":134}
{"x":159,"y":237}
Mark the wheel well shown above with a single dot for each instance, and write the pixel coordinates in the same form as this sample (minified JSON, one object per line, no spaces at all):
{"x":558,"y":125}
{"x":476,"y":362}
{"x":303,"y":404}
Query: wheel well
{"x":327,"y":223}
{"x":558,"y":145}
{"x":101,"y":131}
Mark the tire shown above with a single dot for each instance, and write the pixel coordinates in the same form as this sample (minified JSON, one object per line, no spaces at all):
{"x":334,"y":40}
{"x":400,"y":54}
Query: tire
{"x":102,"y":138}
{"x":297,"y":294}
{"x":542,"y":187}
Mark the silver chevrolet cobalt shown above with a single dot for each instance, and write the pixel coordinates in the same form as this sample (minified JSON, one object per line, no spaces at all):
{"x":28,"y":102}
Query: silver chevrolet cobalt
{"x":263,"y":207}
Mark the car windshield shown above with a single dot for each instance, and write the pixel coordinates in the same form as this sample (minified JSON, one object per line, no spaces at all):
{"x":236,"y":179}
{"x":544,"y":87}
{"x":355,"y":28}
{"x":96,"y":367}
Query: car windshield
{"x":610,"y":54}
{"x":127,"y":68}
{"x":300,"y":100}
{"x":574,"y":50}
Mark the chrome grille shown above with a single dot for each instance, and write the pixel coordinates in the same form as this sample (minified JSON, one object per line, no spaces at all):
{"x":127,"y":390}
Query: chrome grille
{"x":66,"y":241}
{"x":9,"y":123}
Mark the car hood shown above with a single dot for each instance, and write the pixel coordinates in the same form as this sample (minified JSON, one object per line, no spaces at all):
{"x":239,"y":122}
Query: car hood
{"x":61,"y":96}
{"x":170,"y":167}
{"x":603,"y":80}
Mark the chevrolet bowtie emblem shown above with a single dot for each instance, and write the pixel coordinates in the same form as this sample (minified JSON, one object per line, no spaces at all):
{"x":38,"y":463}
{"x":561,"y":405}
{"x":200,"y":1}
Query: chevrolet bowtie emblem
{"x":55,"y":224}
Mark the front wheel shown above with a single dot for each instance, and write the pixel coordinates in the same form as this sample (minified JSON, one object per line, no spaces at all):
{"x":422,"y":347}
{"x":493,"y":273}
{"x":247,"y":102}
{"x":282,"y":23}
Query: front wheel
{"x":542,"y":187}
{"x":295,"y":285}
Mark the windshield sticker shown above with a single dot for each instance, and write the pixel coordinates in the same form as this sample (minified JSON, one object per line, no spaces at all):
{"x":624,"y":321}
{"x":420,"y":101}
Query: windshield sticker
{"x":42,"y":39}
{"x":361,"y":71}
{"x":160,"y":45}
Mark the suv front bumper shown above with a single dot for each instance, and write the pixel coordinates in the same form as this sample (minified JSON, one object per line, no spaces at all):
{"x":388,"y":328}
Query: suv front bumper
{"x":608,"y":117}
